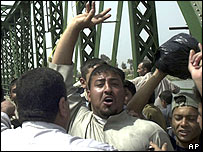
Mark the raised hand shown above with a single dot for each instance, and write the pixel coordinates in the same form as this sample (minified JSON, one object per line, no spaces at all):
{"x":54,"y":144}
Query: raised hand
{"x":89,"y":19}
{"x":195,"y":67}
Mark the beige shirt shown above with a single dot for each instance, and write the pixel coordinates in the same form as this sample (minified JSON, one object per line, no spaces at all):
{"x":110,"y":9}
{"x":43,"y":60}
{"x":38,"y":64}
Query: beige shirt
{"x":123,"y":131}
{"x":153,"y":113}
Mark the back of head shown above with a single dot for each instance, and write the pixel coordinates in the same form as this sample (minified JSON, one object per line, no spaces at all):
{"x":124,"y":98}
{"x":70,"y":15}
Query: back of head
{"x":104,"y":69}
{"x":147,"y":64}
{"x":38,"y":93}
{"x":166,"y":95}
{"x":131,"y":87}
{"x":90,"y":63}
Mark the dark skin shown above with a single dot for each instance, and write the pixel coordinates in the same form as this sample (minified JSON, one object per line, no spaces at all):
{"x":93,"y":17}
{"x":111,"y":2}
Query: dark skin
{"x":106,"y":94}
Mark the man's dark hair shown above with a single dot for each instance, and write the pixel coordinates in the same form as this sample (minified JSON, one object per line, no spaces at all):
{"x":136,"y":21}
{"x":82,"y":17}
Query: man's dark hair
{"x":147,"y":64}
{"x":166,"y":96}
{"x":131,"y":87}
{"x":90,"y":63}
{"x":104,"y":69}
{"x":38,"y":93}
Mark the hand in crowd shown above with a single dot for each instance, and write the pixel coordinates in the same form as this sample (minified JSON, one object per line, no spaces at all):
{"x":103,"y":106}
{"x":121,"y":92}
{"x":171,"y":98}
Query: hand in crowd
{"x":8,"y":107}
{"x":89,"y":19}
{"x":156,"y":148}
{"x":195,"y":67}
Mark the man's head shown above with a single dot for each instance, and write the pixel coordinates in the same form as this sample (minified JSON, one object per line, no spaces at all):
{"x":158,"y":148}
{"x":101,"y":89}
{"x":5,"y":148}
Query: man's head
{"x":87,"y":68}
{"x":144,"y":67}
{"x":184,"y":119}
{"x":106,"y":90}
{"x":12,"y":88}
{"x":41,"y":96}
{"x":166,"y":98}
{"x":130,"y":90}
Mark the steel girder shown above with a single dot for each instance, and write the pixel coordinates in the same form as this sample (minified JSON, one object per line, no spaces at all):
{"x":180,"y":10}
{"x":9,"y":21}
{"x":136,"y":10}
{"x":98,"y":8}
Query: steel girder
{"x":56,"y":21}
{"x":192,"y":12}
{"x":39,"y":30}
{"x":87,"y":37}
{"x":143,"y":30}
{"x":17,"y":55}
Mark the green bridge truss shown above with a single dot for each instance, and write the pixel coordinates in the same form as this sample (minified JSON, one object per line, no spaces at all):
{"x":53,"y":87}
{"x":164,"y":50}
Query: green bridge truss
{"x":23,"y":33}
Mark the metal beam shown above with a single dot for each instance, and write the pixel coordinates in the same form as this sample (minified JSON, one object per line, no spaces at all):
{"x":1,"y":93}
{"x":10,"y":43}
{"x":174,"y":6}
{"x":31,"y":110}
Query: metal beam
{"x":143,"y":30}
{"x":192,"y":12}
{"x":98,"y":32}
{"x":117,"y":33}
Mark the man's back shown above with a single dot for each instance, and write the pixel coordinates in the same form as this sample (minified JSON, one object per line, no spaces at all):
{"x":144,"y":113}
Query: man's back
{"x":153,"y":113}
{"x":36,"y":135}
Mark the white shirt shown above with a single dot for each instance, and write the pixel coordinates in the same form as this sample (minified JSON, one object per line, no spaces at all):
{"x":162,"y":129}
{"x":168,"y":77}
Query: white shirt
{"x":39,"y":136}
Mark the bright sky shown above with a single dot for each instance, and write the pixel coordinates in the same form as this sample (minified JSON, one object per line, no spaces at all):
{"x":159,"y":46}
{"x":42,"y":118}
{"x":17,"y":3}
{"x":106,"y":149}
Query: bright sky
{"x":168,"y":15}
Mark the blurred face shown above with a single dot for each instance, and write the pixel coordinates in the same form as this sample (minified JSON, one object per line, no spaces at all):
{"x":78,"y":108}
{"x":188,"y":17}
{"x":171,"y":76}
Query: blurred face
{"x":85,"y":82}
{"x":106,"y":94}
{"x":140,"y":70}
{"x":12,"y":93}
{"x":199,"y":119}
{"x":163,"y":103}
{"x":185,"y":126}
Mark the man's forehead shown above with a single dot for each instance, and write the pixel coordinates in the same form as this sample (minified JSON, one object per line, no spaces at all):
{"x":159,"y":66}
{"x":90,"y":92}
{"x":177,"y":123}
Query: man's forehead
{"x":184,"y":109}
{"x":109,"y":74}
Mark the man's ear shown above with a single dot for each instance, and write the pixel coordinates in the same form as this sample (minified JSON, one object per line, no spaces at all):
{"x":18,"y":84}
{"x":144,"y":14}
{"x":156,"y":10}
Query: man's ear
{"x":145,"y":70}
{"x":83,"y":82}
{"x":63,"y":107}
{"x":88,"y":95}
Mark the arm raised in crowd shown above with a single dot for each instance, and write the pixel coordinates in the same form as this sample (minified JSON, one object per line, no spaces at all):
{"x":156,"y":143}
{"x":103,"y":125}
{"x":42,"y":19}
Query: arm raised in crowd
{"x":65,"y":47}
{"x":195,"y":67}
{"x":141,"y":97}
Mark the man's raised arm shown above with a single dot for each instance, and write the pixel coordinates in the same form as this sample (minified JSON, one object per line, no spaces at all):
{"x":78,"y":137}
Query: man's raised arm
{"x":141,"y":97}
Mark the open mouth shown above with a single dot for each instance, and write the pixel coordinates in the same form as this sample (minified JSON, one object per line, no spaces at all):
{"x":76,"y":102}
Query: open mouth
{"x":183,"y":132}
{"x":108,"y":101}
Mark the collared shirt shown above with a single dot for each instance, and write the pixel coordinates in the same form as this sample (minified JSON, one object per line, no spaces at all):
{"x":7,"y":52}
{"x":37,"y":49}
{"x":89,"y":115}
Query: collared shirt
{"x":123,"y":131}
{"x":40,"y":136}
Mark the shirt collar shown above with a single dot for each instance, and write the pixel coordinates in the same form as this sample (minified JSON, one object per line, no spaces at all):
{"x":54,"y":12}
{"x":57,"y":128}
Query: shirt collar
{"x":100,"y":120}
{"x":42,"y":125}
